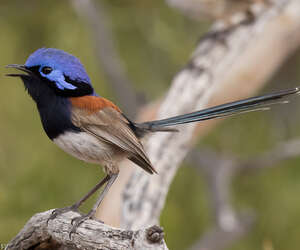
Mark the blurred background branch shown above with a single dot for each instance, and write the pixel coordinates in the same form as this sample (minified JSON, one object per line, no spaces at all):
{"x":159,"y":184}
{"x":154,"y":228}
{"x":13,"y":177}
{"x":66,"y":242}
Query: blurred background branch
{"x":219,"y":170}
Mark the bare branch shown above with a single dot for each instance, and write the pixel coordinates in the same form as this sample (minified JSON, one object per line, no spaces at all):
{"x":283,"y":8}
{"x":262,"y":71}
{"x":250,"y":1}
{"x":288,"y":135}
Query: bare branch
{"x":94,"y":14}
{"x":91,"y":234}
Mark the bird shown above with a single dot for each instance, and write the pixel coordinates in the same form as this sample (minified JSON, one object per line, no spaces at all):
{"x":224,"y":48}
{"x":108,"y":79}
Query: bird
{"x":95,"y":130}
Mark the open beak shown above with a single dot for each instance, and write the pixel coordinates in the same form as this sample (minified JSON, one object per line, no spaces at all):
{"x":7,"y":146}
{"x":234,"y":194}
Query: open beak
{"x":19,"y":67}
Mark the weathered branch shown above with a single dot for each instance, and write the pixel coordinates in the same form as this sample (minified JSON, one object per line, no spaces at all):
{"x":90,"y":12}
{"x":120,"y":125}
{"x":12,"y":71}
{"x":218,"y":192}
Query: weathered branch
{"x":91,"y":234}
{"x":216,"y":68}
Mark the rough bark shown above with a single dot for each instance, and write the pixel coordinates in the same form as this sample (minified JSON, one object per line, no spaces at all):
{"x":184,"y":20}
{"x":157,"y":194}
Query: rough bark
{"x":91,"y":234}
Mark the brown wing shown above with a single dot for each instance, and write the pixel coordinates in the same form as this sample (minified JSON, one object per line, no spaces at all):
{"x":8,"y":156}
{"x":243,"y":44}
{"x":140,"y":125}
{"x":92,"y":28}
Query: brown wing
{"x":109,"y":125}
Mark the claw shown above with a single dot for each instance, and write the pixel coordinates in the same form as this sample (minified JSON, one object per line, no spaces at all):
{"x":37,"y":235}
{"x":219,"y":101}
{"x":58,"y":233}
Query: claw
{"x":59,"y":211}
{"x":77,"y":221}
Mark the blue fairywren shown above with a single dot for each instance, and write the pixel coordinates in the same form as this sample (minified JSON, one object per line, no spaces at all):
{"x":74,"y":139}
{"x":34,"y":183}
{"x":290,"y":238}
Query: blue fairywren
{"x":92,"y":128}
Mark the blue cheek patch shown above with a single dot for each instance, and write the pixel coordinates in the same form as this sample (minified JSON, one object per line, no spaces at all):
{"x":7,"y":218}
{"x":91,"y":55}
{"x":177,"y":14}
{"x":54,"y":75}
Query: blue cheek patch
{"x":64,"y":85}
{"x":58,"y":78}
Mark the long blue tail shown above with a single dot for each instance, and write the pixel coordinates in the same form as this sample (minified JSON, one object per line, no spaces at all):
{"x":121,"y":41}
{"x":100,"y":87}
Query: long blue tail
{"x":246,"y":105}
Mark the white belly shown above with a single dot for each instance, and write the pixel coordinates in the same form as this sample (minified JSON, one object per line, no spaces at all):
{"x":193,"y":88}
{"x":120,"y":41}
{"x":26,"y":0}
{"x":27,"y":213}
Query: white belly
{"x":86,"y":147}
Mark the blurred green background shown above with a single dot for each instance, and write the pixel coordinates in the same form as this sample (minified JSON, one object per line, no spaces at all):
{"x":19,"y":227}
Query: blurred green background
{"x":154,"y":42}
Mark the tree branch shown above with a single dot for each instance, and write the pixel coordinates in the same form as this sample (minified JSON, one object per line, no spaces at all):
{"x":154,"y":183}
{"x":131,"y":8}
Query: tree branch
{"x":91,"y":234}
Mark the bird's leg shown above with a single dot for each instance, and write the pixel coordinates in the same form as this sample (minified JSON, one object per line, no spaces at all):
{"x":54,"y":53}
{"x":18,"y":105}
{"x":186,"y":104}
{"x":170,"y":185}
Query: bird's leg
{"x":78,"y":220}
{"x":76,"y":205}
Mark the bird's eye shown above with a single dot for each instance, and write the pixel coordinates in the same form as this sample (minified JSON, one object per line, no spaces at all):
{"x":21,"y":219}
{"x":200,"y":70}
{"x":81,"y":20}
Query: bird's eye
{"x":46,"y":70}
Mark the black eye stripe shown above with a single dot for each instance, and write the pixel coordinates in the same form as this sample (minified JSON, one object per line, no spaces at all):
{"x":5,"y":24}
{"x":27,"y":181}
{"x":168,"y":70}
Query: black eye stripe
{"x":46,"y":70}
{"x":82,"y":88}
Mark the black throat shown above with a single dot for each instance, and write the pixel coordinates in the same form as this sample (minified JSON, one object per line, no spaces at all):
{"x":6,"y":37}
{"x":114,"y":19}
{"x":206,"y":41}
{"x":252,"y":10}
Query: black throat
{"x":54,"y":110}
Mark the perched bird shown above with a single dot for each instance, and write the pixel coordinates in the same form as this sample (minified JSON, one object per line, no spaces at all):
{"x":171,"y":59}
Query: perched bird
{"x":92,"y":128}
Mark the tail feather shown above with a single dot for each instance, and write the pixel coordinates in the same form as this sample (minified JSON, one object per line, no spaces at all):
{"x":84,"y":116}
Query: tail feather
{"x":238,"y":107}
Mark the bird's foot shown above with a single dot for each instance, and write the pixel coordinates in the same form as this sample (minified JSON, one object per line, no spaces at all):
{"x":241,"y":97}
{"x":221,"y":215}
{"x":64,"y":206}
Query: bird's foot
{"x":58,"y":211}
{"x":76,"y":222}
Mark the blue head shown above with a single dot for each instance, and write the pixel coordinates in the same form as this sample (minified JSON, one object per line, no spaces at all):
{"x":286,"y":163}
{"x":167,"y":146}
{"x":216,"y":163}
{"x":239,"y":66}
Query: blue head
{"x":54,"y":72}
{"x":51,"y":76}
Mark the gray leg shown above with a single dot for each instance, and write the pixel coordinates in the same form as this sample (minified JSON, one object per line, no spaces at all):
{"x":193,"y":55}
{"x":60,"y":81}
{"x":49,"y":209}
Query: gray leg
{"x":112,"y":179}
{"x":78,"y":220}
{"x":93,"y":190}
{"x":75,"y":206}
